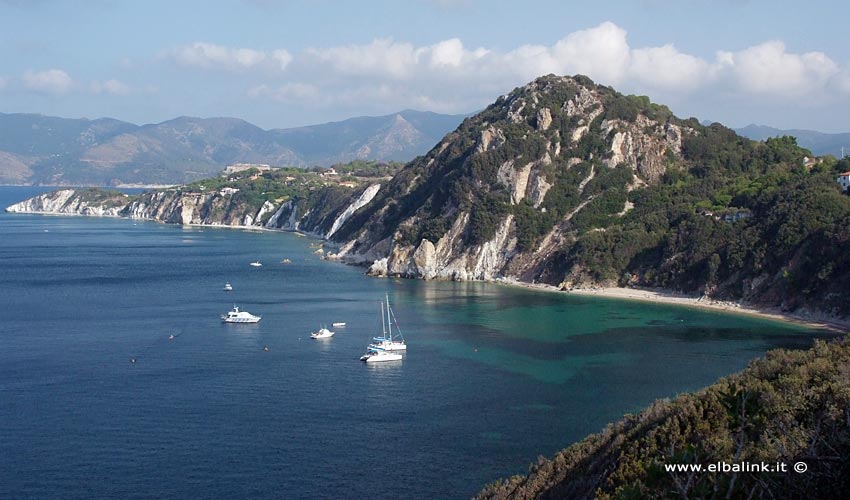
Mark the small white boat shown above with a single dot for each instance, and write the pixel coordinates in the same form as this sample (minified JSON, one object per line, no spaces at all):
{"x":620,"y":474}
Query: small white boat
{"x":377,"y":355}
{"x":228,"y":287}
{"x":257,"y":264}
{"x":338,"y":325}
{"x":323,"y":333}
{"x":237,"y":316}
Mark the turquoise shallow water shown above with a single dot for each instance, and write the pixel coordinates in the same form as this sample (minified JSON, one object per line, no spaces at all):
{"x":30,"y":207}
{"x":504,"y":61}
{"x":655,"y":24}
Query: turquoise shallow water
{"x":494,"y":376}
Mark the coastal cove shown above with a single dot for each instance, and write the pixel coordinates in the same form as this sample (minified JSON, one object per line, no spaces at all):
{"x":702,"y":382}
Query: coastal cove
{"x":495,"y":375}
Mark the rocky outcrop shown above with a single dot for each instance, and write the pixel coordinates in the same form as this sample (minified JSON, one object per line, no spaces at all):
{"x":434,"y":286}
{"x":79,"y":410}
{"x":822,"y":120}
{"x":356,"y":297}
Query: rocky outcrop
{"x":367,"y":196}
{"x":72,"y":202}
{"x":642,"y":152}
{"x":537,"y":154}
{"x":216,"y":208}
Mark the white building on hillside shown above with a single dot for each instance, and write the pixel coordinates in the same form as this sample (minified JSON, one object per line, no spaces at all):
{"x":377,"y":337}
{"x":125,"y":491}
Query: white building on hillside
{"x":844,"y":181}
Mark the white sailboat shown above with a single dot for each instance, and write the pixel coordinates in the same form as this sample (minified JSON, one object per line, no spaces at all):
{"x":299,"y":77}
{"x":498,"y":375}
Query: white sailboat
{"x":387,"y":341}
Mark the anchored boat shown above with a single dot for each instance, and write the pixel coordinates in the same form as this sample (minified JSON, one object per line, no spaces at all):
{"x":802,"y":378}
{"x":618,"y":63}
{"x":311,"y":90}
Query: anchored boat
{"x":237,"y":316}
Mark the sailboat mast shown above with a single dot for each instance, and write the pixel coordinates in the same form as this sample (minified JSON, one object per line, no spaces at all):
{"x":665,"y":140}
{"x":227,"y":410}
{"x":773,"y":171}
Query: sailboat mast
{"x":389,"y":321}
{"x":383,"y":326}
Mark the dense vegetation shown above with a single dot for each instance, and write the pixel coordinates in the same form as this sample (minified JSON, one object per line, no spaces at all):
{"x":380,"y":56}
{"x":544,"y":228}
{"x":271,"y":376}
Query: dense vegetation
{"x":796,"y":225}
{"x":791,"y":406}
{"x":721,"y":215}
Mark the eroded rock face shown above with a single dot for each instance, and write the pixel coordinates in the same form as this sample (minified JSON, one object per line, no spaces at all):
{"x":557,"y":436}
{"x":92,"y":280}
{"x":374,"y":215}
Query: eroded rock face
{"x":491,"y":138}
{"x":516,"y":154}
{"x":367,"y":196}
{"x":544,"y":119}
{"x":68,"y":202}
{"x":216,"y":208}
{"x":645,"y":153}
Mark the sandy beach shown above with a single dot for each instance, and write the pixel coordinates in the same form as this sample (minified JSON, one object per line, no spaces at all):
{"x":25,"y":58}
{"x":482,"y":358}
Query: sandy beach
{"x":661,"y":296}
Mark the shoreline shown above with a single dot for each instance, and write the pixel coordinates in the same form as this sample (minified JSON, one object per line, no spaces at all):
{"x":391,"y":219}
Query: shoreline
{"x":652,"y":295}
{"x":668,"y":297}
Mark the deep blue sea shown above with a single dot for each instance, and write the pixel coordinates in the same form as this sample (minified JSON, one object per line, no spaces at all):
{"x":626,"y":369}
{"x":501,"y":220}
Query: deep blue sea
{"x":494,"y":376}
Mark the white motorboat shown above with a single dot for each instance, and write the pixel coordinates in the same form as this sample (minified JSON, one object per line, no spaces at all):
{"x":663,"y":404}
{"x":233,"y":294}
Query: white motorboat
{"x":388,"y":341}
{"x":228,"y":287}
{"x":257,"y":264}
{"x":237,"y":316}
{"x":376,"y":355}
{"x":338,"y":325}
{"x":323,"y":333}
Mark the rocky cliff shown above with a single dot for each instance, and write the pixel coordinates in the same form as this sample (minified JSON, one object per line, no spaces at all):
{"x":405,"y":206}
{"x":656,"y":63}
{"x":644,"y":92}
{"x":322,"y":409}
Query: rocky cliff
{"x":75,"y":202}
{"x":319,"y":213}
{"x":536,"y":157}
{"x":570,"y":183}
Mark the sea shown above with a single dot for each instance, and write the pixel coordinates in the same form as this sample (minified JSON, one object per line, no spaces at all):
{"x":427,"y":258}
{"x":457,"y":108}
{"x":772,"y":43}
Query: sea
{"x":119,"y":380}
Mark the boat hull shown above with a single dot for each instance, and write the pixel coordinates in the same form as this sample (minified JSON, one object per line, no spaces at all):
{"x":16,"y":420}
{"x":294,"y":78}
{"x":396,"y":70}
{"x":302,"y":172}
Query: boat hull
{"x":241,"y":320}
{"x":373,"y":358}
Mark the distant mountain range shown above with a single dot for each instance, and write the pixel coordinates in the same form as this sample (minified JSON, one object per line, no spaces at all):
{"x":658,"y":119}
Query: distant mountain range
{"x":818,"y":143}
{"x":46,"y":150}
{"x":37,"y":149}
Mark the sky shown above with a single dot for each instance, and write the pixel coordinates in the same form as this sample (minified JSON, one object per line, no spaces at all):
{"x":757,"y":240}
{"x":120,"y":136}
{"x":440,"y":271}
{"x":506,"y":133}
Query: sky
{"x":287,"y":63}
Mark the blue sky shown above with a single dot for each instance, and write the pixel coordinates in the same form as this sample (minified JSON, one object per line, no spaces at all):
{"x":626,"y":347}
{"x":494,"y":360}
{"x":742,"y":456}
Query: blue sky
{"x":282,"y":63}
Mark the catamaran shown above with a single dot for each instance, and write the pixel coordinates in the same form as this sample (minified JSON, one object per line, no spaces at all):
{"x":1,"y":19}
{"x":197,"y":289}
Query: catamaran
{"x":376,"y":354}
{"x":387,"y":341}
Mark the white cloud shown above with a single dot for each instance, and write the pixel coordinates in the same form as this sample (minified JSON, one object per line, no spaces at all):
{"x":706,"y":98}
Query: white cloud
{"x":52,"y":81}
{"x":601,"y":51}
{"x":448,"y":76}
{"x":3,"y":82}
{"x":282,"y":57}
{"x":769,"y":69}
{"x":382,"y":57}
{"x":113,"y":87}
{"x":210,"y":56}
{"x":667,"y":68}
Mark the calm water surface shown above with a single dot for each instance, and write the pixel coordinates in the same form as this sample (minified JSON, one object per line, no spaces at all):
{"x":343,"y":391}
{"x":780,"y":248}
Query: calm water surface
{"x":494,"y":376}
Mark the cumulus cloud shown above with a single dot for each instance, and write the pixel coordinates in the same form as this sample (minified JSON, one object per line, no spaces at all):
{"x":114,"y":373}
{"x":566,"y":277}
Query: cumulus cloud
{"x":769,"y":68}
{"x":113,"y":87}
{"x":449,"y":76}
{"x":52,"y":81}
{"x":211,"y":56}
{"x":667,"y":68}
{"x":383,"y":57}
{"x":282,"y":57}
{"x":601,"y":51}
